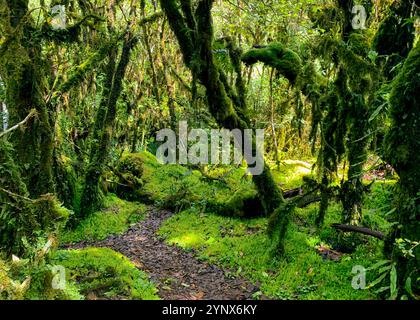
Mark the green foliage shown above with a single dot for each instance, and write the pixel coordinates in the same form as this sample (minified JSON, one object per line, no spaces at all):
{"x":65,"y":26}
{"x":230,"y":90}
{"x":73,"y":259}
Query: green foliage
{"x":32,"y":278}
{"x":106,"y":274}
{"x":115,"y":218}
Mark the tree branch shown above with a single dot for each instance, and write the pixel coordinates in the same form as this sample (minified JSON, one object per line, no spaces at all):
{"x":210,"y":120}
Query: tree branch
{"x":31,"y":114}
{"x":362,"y":230}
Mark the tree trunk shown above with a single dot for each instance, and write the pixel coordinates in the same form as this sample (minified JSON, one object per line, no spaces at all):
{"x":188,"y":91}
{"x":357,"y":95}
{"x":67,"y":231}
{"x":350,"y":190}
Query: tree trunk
{"x":104,"y":128}
{"x":24,"y":80}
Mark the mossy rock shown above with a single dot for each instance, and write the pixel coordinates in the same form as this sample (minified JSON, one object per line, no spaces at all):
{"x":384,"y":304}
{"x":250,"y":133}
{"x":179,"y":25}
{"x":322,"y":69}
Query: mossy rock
{"x":102,"y":273}
{"x":244,"y":203}
{"x":129,"y":172}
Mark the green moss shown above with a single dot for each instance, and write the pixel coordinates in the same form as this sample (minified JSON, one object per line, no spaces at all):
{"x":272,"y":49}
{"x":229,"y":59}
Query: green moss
{"x":243,"y":247}
{"x":21,"y":217}
{"x":401,"y":146}
{"x":66,"y":180}
{"x":104,"y":273}
{"x":115,"y":218}
{"x":78,"y":73}
{"x":244,"y":203}
{"x":284,"y":60}
{"x":129,"y":172}
{"x":291,"y":173}
{"x":177,"y":188}
{"x":395,"y":36}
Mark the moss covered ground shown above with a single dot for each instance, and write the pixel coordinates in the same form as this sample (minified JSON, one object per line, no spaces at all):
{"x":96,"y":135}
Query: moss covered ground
{"x":115,"y":218}
{"x":240,"y":245}
{"x":101,"y":273}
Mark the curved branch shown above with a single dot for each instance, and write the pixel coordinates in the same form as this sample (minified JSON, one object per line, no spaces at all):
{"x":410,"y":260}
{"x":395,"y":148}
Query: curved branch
{"x":31,"y":114}
{"x":362,"y":230}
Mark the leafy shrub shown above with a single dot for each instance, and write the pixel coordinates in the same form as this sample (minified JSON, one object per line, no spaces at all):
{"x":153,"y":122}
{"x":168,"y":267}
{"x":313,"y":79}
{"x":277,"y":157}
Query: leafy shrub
{"x":32,"y":278}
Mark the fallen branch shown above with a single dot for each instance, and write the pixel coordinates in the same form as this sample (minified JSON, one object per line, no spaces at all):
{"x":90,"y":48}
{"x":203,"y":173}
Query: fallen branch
{"x":293,"y":193}
{"x":31,"y":114}
{"x":363,"y":230}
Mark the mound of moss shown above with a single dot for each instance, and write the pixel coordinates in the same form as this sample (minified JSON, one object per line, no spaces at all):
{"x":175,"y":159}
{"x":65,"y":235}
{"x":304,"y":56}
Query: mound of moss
{"x":244,"y":203}
{"x":129,"y":172}
{"x":101,"y":273}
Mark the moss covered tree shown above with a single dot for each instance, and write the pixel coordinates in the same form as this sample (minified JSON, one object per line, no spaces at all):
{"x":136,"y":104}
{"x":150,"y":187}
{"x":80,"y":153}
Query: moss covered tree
{"x":193,"y":28}
{"x":401,"y":146}
{"x":104,"y":126}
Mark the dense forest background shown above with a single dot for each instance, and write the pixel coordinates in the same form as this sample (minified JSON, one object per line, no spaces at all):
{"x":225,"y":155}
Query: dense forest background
{"x":87,"y":211}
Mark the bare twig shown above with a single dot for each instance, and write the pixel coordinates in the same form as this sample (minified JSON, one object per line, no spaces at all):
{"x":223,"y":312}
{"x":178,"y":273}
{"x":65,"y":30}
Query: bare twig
{"x":15,"y":195}
{"x":31,"y":114}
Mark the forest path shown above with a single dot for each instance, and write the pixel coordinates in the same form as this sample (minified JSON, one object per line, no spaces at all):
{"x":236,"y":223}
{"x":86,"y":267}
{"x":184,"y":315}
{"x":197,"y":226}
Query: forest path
{"x":178,"y":274}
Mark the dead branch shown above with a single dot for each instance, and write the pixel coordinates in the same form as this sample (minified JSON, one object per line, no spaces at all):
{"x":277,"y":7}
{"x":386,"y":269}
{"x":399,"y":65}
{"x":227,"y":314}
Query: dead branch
{"x":362,"y":230}
{"x":31,"y":114}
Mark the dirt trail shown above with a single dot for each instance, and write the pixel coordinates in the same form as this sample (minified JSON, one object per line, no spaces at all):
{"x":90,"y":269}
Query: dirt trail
{"x":177,"y":273}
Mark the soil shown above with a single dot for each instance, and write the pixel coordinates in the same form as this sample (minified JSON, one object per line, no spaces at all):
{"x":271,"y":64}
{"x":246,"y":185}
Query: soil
{"x":178,"y":274}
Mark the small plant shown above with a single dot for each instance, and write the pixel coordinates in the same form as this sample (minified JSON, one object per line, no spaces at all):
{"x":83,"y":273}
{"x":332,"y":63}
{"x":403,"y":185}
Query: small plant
{"x":387,"y":273}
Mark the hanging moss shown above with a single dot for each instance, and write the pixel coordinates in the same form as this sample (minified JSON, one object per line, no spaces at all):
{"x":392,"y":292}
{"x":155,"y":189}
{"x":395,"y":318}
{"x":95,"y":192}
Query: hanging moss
{"x":78,"y":73}
{"x":402,"y":142}
{"x":358,"y":142}
{"x":24,"y":73}
{"x":104,"y":126}
{"x":326,"y":18}
{"x":197,"y":49}
{"x":395,"y":36}
{"x":284,"y":60}
{"x":66,"y":180}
